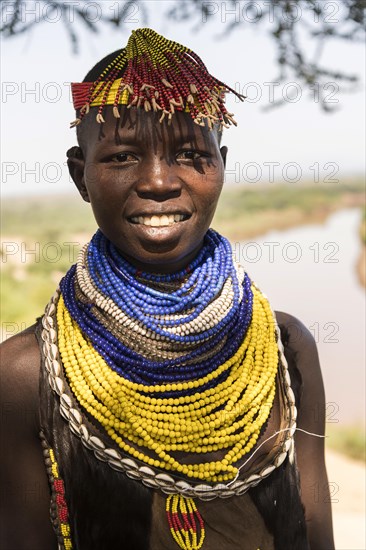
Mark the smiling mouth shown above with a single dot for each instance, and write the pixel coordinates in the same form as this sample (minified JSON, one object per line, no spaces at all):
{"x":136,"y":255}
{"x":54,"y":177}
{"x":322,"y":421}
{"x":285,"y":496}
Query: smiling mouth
{"x":163,"y":220}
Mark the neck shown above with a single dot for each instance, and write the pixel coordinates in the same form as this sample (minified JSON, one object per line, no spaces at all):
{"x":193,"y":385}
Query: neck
{"x":175,"y":266}
{"x":176,"y":270}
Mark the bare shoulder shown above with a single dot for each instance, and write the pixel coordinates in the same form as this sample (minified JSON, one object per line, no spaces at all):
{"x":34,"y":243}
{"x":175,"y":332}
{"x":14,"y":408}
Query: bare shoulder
{"x":299,"y":337}
{"x":20,"y":344}
{"x":300,"y":341}
{"x":20,"y":365}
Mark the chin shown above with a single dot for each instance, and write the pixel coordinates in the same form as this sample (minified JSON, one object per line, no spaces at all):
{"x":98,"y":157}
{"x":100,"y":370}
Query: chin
{"x":162,"y":259}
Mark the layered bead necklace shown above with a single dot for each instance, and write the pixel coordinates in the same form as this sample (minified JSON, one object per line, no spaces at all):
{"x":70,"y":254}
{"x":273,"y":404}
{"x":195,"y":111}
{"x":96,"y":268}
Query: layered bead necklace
{"x":171,"y":364}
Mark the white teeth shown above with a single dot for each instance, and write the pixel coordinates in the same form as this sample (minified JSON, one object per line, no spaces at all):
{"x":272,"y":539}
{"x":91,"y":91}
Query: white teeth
{"x":164,"y":220}
{"x":158,"y":221}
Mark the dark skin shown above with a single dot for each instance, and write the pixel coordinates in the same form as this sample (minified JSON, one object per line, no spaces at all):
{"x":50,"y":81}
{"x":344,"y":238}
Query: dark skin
{"x":181,"y":173}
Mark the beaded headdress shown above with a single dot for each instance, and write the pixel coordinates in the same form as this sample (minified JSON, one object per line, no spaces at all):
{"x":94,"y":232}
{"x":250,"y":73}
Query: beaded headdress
{"x":156,"y":74}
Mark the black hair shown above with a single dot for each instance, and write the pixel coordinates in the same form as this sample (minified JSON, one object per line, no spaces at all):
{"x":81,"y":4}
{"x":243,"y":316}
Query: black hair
{"x":99,"y":67}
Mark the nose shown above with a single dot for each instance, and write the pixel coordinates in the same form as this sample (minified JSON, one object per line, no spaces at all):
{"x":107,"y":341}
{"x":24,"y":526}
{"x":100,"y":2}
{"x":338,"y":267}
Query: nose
{"x":159,"y":179}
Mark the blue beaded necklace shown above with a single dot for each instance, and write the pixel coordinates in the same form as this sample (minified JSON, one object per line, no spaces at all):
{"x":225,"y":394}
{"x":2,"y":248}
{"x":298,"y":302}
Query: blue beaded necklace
{"x":165,"y":316}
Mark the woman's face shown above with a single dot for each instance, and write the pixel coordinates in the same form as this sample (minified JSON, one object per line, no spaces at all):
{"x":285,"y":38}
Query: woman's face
{"x":153,"y":187}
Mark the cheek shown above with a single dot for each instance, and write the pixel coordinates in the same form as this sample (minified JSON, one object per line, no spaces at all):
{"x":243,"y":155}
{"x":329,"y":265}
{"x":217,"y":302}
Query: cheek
{"x":211,"y":192}
{"x":106,"y":203}
{"x":93,"y":176}
{"x":107,"y":189}
{"x":207,"y":203}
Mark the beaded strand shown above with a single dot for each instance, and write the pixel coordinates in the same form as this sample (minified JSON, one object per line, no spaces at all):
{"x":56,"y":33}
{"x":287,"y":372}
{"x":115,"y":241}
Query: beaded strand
{"x":59,"y":509}
{"x":243,"y":401}
{"x":182,"y":514}
{"x":156,"y":74}
{"x":118,"y":354}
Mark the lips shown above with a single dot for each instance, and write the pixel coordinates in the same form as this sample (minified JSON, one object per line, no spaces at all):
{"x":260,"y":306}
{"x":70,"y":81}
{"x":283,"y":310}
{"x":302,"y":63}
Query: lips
{"x":159,"y":220}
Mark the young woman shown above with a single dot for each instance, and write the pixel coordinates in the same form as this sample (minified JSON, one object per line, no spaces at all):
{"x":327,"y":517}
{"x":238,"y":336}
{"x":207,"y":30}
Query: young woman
{"x":175,"y":409}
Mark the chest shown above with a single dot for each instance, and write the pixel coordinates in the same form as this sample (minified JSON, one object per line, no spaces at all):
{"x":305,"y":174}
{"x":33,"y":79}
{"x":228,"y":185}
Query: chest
{"x":107,"y":509}
{"x":228,"y":524}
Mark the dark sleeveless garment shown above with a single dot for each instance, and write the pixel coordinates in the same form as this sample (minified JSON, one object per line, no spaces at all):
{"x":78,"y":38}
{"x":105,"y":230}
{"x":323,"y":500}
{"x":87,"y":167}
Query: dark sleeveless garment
{"x":108,"y":511}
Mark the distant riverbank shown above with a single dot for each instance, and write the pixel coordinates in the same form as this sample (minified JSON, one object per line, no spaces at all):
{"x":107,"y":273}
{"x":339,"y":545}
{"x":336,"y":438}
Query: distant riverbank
{"x":246,"y":212}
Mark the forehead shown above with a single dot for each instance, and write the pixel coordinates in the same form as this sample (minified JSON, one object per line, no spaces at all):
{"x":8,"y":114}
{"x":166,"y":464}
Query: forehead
{"x":143,"y":129}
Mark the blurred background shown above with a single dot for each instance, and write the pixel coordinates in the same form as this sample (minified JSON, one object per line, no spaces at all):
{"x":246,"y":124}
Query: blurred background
{"x":293,"y":203}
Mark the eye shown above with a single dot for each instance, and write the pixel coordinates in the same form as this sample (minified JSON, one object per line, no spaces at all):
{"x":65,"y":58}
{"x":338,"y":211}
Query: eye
{"x":189,"y":155}
{"x":123,"y":157}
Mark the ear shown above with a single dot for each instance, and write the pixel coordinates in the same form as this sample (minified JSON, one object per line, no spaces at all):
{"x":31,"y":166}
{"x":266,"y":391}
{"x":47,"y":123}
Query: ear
{"x":76,"y":165}
{"x":223,"y":152}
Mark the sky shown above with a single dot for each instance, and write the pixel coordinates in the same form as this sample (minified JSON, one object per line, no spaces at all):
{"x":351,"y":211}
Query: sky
{"x":292,"y":143}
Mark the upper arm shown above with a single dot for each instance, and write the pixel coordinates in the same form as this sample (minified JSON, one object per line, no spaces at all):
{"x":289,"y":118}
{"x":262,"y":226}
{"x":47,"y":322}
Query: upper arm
{"x":310,"y":448}
{"x":24,"y":493}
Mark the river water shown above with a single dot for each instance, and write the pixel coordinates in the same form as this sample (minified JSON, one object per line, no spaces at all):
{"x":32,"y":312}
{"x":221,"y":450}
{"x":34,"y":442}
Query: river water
{"x":309,"y":271}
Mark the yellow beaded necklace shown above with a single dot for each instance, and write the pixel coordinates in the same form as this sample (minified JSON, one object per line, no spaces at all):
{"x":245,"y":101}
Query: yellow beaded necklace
{"x":226,"y":418}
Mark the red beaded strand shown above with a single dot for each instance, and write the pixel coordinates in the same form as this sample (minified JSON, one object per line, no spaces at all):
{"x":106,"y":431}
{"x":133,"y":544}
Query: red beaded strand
{"x":159,"y":75}
{"x":59,"y":510}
